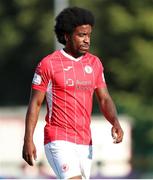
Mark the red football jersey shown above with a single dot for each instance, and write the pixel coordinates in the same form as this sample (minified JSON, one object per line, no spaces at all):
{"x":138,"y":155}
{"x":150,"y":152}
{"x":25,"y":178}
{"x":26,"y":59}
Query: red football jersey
{"x":69,"y":84}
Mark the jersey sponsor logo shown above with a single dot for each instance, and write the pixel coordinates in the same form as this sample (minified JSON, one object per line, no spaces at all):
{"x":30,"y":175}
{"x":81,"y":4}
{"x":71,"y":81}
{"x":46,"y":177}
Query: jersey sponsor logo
{"x":69,"y":82}
{"x":88,"y":69}
{"x":36,"y":79}
{"x":68,"y":68}
{"x":83,"y":85}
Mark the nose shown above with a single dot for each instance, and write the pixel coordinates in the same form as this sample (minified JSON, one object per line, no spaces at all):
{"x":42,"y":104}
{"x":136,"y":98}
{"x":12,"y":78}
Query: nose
{"x":87,"y":39}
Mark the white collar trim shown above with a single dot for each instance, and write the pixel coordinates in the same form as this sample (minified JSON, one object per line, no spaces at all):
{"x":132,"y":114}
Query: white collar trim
{"x":70,"y":57}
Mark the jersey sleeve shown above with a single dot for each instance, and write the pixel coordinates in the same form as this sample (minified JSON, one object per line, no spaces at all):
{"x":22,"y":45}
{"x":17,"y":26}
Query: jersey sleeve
{"x":100,"y":80}
{"x":41,"y":76}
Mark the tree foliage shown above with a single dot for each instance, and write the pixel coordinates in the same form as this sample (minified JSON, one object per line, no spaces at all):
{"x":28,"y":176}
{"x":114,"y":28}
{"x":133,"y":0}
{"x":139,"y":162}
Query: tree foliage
{"x":26,"y":35}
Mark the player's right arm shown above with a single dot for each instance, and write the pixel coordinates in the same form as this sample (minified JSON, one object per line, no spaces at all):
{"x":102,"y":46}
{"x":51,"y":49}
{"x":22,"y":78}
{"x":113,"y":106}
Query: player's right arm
{"x":29,"y":149}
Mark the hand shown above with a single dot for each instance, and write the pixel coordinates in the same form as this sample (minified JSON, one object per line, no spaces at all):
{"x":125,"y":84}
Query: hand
{"x":117,"y":133}
{"x":29,"y":152}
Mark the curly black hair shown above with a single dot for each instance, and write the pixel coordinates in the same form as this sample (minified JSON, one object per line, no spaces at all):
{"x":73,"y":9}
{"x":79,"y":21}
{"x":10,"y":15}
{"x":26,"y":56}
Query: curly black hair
{"x":69,"y":19}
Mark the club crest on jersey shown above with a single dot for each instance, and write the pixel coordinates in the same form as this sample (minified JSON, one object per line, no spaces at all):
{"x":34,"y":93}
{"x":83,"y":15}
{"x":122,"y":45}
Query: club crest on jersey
{"x":88,"y":69}
{"x":65,"y":167}
{"x":36,"y":79}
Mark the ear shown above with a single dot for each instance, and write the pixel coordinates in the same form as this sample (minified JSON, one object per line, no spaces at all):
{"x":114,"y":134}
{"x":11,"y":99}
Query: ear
{"x":66,"y":36}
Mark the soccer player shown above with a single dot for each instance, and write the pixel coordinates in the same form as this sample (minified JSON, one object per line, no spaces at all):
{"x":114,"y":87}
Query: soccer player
{"x":68,"y":78}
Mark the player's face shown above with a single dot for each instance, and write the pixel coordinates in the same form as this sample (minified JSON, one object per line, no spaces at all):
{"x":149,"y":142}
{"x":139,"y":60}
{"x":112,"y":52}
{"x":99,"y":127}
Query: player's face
{"x":79,"y":42}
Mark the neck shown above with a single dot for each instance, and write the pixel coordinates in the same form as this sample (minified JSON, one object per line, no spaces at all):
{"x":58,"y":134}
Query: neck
{"x":74,"y":54}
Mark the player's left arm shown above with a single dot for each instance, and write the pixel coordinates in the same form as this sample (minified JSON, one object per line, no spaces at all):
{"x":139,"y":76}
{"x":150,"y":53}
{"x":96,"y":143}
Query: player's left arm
{"x":108,"y":109}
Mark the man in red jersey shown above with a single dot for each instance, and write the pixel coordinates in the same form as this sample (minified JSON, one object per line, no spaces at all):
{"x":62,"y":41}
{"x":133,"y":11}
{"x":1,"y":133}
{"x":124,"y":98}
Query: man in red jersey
{"x":68,"y":78}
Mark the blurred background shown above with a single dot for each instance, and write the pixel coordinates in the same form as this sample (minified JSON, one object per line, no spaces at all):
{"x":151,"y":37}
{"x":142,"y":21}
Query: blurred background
{"x":123,"y":39}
